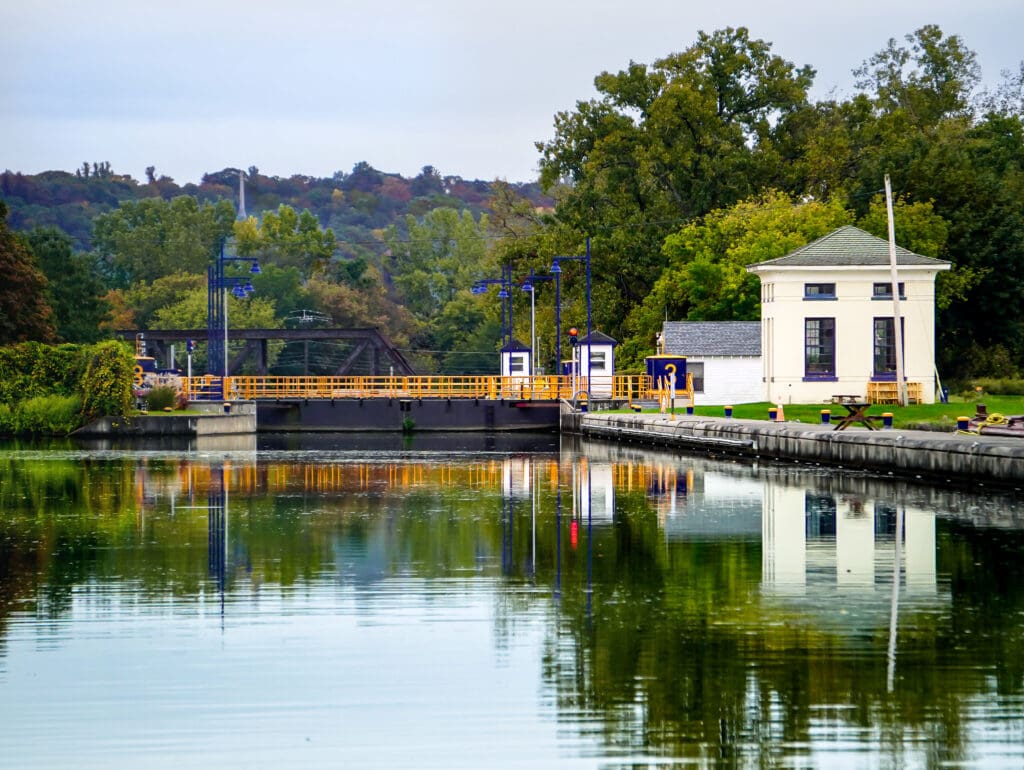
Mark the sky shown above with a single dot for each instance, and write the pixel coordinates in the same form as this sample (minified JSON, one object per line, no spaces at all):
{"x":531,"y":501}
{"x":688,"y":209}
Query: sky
{"x":315,"y":86}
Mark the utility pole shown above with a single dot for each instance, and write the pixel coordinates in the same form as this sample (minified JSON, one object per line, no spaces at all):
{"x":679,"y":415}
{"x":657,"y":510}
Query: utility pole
{"x":897,"y":319}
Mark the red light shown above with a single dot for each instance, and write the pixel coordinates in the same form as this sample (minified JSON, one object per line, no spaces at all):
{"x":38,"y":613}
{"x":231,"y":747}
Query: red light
{"x":574,"y":533}
{"x":573,"y":332}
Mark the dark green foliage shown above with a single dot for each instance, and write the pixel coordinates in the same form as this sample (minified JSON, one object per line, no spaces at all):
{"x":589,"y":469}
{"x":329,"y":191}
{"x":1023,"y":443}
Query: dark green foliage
{"x":74,"y":287}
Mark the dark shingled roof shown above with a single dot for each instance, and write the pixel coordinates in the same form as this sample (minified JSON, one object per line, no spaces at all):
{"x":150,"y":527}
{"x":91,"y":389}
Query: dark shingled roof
{"x":846,"y":247}
{"x":597,"y":338}
{"x":514,"y":346}
{"x":712,"y":338}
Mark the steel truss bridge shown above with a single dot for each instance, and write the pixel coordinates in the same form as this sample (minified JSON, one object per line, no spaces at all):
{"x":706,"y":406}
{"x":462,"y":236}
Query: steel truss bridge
{"x":364,"y":350}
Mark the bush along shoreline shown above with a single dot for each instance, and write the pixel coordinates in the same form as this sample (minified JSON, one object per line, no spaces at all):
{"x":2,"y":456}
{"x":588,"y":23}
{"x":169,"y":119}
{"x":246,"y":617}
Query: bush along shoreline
{"x":52,"y":390}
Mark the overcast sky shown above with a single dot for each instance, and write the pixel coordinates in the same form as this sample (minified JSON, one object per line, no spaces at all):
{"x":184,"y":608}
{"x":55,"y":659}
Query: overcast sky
{"x":315,"y":86}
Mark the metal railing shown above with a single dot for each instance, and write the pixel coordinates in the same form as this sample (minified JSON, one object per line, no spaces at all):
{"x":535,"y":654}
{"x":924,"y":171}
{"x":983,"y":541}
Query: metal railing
{"x":536,"y":388}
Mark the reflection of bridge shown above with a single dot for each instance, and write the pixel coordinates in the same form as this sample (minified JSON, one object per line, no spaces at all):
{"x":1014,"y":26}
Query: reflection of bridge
{"x":365,"y":351}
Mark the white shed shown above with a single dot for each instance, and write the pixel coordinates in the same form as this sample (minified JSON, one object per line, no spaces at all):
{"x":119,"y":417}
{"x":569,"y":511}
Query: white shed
{"x":597,"y":362}
{"x":724,"y":358}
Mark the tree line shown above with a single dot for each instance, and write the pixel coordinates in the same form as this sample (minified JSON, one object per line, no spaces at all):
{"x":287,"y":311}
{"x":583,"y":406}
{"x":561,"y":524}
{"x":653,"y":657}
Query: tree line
{"x":678,"y":173}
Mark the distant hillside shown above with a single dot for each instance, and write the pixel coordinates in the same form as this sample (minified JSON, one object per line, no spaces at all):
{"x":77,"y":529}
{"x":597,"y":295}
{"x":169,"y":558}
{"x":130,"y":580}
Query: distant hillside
{"x":352,"y":204}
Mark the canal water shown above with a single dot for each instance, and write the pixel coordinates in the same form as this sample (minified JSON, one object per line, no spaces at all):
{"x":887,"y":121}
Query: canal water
{"x":488,"y":602}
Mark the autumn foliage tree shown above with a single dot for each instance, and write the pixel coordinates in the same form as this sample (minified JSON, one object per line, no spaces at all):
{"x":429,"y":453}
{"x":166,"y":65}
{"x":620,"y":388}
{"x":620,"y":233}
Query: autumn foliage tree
{"x":24,"y":311}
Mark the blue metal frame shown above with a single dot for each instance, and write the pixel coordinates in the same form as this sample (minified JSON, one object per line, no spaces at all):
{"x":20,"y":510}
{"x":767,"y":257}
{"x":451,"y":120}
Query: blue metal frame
{"x":505,"y":282}
{"x":530,"y":285}
{"x":556,"y":270}
{"x":217,"y":284}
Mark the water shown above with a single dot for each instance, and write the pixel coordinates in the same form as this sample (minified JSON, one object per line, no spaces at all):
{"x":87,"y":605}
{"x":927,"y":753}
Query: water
{"x":469,"y":602}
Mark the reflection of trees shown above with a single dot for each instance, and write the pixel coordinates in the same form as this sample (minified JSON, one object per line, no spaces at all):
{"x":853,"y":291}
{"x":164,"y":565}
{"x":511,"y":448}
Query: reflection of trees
{"x":685,"y":657}
{"x":680,"y":653}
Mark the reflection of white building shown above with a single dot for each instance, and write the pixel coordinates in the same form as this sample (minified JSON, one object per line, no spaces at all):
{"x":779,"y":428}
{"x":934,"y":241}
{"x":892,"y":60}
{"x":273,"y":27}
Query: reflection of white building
{"x":716,"y":505}
{"x":594,"y":492}
{"x":819,"y":539}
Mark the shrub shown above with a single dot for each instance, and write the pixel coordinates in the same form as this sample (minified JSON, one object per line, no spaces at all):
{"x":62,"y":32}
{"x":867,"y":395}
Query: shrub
{"x":48,"y":415}
{"x":107,"y":382}
{"x":162,"y":397}
{"x":7,"y":427}
{"x":997,"y":387}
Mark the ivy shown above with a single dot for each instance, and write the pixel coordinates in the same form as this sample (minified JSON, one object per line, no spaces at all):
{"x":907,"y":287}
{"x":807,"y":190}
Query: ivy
{"x":107,"y":383}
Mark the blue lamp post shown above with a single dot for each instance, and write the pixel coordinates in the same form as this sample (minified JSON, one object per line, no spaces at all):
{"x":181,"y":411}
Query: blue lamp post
{"x":505,"y":294}
{"x":217,"y":307}
{"x":530,"y":285}
{"x":556,"y":270}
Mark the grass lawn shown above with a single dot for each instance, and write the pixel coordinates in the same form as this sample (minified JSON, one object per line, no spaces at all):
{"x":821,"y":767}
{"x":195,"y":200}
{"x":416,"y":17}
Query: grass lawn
{"x":915,"y":414}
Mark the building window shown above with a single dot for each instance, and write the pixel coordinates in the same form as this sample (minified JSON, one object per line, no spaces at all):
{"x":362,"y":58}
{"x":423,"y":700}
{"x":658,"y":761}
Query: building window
{"x":819,"y":347}
{"x":884,"y":290}
{"x":696,"y":370}
{"x":819,"y":291}
{"x":885,"y":348}
{"x":598,"y":360}
{"x":516,"y":364}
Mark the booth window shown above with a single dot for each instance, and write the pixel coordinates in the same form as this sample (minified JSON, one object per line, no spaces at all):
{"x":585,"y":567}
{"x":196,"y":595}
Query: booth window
{"x":516,"y":364}
{"x":598,"y":360}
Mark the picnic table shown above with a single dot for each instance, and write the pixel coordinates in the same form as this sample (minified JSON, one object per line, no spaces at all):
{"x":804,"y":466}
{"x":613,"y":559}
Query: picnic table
{"x":856,"y":412}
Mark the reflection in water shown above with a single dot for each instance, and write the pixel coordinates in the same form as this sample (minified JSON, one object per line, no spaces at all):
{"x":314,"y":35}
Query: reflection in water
{"x":602,"y":605}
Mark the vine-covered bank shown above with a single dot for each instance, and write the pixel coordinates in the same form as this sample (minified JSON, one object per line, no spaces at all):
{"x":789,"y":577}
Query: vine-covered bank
{"x":50,"y":390}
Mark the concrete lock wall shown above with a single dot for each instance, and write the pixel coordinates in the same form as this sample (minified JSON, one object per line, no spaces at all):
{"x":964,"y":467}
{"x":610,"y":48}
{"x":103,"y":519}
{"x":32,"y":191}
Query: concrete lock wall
{"x":945,"y":456}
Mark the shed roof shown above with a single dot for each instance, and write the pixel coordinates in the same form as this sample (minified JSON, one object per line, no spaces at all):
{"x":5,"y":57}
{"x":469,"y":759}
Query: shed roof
{"x":598,"y":338}
{"x":849,"y":246}
{"x":515,"y":346}
{"x":712,"y":338}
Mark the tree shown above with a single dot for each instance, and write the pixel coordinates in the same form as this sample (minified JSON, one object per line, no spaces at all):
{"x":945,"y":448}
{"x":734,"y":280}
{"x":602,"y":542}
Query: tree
{"x":74,"y":289}
{"x":287,"y":238}
{"x":144,"y":240}
{"x":666,"y":144}
{"x":706,"y":277}
{"x":146,"y":300}
{"x":25,"y":313}
{"x":931,"y":80}
{"x":190,"y":312}
{"x":436,"y":257}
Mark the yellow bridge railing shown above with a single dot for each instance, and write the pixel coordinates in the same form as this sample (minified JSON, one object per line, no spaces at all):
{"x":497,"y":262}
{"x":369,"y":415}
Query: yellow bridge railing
{"x":537,"y":388}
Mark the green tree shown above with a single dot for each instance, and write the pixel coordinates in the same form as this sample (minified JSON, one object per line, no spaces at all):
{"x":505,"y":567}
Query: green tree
{"x":147,"y":239}
{"x":706,"y":277}
{"x":930,"y":80}
{"x":25,"y":313}
{"x":664,"y":144}
{"x":190,"y":311}
{"x":287,"y":238}
{"x":436,"y":257}
{"x":74,"y":288}
{"x":145,"y":299}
